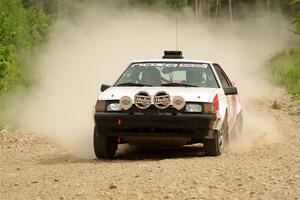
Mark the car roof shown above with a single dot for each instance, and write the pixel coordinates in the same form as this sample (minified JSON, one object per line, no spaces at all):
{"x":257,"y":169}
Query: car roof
{"x":173,"y":60}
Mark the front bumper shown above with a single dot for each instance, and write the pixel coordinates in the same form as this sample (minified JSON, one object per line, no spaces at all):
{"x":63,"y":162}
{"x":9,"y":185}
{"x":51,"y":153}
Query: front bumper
{"x":196,"y":126}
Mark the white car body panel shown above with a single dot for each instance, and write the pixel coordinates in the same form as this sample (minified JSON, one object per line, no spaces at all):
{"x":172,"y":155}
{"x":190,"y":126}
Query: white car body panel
{"x":188,"y":93}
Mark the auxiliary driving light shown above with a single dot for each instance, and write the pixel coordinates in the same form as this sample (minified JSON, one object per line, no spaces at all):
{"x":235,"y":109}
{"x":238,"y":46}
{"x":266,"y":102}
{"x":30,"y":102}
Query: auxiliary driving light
{"x":178,"y":102}
{"x":126,"y":102}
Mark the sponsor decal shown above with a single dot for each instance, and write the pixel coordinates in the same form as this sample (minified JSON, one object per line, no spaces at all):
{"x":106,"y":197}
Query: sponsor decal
{"x":201,"y":65}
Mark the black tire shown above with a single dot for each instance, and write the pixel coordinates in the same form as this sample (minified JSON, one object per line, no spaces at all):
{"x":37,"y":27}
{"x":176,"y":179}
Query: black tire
{"x":105,"y":147}
{"x":217,"y":146}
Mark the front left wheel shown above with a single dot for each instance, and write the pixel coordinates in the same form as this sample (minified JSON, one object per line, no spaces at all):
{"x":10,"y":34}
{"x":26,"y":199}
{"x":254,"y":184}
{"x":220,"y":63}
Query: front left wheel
{"x":105,"y":147}
{"x":217,"y":145}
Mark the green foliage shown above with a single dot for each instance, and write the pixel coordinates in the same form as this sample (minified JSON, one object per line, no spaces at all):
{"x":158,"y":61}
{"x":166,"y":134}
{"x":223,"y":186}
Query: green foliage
{"x":295,"y":1}
{"x":176,"y":3}
{"x":296,"y":20}
{"x":285,"y":68}
{"x":21,"y":30}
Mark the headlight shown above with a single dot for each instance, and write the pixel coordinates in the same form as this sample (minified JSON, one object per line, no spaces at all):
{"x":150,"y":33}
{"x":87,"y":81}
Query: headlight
{"x":113,"y":107}
{"x":100,"y":106}
{"x":193,"y":107}
{"x":125,"y":102}
{"x":178,"y":102}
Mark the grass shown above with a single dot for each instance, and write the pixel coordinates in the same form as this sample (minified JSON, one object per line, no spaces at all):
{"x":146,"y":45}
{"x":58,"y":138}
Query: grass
{"x":285,"y":70}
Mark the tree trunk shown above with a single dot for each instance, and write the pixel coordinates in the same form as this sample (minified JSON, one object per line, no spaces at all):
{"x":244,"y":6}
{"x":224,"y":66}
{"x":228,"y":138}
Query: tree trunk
{"x":196,"y":11}
{"x":230,"y":10}
{"x":257,"y":4}
{"x":217,"y":10}
{"x":269,"y":5}
{"x":208,"y":11}
{"x":58,"y":9}
{"x":200,"y":8}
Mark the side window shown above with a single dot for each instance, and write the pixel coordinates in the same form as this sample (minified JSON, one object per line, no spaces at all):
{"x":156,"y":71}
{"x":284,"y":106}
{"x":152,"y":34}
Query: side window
{"x":222,"y":76}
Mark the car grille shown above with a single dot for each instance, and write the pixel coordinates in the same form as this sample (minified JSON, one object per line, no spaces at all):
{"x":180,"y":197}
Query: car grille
{"x":166,"y":131}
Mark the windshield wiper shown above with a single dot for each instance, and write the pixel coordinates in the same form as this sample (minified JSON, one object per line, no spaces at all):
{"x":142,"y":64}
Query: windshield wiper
{"x":132,"y":84}
{"x":178,"y":84}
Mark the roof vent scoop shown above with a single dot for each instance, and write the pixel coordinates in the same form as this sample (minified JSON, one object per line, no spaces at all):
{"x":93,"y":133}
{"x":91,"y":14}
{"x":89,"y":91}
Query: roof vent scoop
{"x":172,"y":55}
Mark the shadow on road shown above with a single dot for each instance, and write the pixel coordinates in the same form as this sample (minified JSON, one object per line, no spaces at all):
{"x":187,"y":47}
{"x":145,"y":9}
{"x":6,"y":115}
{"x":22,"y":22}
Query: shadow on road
{"x":127,"y":152}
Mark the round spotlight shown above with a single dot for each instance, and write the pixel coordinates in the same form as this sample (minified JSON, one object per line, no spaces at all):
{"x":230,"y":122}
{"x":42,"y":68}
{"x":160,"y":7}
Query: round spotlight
{"x":126,"y":102}
{"x":178,"y":102}
{"x":161,"y":100}
{"x":142,"y":100}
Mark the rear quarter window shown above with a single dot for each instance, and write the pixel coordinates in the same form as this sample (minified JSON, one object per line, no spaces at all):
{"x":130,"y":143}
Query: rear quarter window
{"x":222,"y":76}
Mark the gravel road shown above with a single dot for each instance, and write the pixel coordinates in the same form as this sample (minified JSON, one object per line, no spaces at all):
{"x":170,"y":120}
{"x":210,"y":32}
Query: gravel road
{"x":34,"y":167}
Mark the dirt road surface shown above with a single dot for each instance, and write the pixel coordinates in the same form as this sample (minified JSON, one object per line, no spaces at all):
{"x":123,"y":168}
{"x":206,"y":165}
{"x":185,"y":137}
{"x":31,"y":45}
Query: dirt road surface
{"x":34,"y":167}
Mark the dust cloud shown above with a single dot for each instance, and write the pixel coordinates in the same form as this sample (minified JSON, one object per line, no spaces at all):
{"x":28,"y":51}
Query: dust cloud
{"x":96,"y":47}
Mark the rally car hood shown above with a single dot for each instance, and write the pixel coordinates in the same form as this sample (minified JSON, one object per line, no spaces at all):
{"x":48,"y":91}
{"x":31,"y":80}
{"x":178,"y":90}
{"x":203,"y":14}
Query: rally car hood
{"x":195,"y":94}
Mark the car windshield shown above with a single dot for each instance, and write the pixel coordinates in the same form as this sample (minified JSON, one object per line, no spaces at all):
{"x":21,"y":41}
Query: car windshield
{"x":168,"y":74}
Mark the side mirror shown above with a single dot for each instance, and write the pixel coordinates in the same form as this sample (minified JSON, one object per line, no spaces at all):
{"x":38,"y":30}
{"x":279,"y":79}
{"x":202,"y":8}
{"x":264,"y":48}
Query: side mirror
{"x":104,"y":87}
{"x":230,"y":91}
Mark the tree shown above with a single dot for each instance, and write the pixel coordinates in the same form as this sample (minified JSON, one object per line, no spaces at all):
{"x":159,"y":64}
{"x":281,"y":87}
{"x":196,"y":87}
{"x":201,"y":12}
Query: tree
{"x":296,"y":20}
{"x":269,"y":5}
{"x":217,"y":10}
{"x":21,"y":29}
{"x":230,"y":10}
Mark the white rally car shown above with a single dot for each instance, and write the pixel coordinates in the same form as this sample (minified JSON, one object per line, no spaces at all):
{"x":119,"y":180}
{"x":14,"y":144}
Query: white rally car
{"x":169,"y":101}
